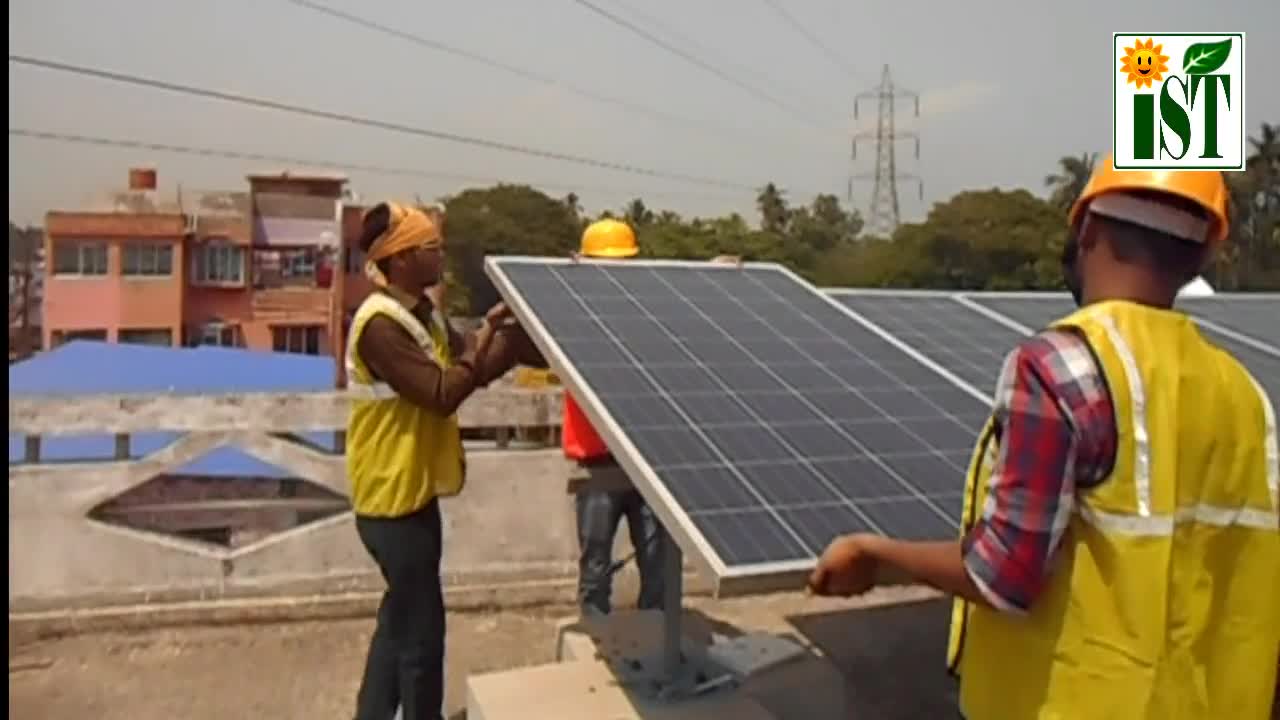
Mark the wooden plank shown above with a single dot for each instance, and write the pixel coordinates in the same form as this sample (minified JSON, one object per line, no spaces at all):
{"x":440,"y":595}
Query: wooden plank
{"x":251,"y":412}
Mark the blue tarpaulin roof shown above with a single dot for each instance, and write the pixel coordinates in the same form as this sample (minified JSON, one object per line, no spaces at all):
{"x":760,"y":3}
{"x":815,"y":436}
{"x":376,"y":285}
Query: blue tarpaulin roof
{"x":86,"y":367}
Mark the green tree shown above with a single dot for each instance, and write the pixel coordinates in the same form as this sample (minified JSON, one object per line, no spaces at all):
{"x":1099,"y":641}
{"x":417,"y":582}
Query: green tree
{"x":1251,"y":258}
{"x":637,"y":214}
{"x":504,"y":219}
{"x":824,"y":225}
{"x":774,"y":213}
{"x":1067,"y":184}
{"x":977,"y":240}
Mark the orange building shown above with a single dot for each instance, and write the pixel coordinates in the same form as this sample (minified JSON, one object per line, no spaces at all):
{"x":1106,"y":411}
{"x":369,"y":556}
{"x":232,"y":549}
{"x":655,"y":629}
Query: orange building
{"x":251,"y":269}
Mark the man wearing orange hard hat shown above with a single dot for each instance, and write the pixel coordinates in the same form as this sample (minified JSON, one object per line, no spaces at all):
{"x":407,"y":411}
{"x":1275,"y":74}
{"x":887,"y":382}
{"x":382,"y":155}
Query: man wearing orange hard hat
{"x":1120,"y":549}
{"x":600,"y":508}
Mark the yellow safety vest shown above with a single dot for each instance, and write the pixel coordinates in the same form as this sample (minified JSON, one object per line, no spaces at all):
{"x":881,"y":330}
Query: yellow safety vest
{"x":399,"y":455}
{"x":1164,"y":599}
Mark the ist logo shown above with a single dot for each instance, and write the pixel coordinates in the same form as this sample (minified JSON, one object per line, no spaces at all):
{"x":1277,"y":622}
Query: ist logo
{"x":1178,"y":101}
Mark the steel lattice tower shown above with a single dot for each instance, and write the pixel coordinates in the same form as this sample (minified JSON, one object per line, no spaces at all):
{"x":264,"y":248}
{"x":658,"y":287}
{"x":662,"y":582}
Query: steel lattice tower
{"x":882,"y":219}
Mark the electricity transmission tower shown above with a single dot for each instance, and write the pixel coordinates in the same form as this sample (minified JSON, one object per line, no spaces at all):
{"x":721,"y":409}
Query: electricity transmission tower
{"x":882,"y":219}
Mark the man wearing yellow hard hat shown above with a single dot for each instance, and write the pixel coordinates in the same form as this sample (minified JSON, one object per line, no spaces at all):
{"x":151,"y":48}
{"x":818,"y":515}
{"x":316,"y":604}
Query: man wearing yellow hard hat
{"x":1120,"y":549}
{"x":408,"y":372}
{"x":599,"y":508}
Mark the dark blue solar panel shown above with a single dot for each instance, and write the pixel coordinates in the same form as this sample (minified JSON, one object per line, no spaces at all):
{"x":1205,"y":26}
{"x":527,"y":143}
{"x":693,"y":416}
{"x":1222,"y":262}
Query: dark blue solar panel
{"x":1256,"y":315}
{"x":955,"y":336}
{"x":768,"y":414}
{"x":1038,"y":312}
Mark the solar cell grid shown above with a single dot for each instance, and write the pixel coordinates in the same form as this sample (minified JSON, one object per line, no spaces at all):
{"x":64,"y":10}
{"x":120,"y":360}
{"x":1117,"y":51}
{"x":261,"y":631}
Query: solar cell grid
{"x":1256,"y":315}
{"x":750,"y":401}
{"x":1264,"y":364}
{"x":966,"y":342}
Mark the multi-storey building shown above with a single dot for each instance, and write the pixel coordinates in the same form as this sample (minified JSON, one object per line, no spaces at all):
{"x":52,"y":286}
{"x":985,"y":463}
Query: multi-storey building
{"x":259,"y":269}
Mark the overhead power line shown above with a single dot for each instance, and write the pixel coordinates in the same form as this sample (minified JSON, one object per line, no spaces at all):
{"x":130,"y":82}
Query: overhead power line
{"x":195,"y":150}
{"x":813,"y":39}
{"x":788,"y":93}
{"x":140,"y":81}
{"x":506,"y":67}
{"x":699,"y":62}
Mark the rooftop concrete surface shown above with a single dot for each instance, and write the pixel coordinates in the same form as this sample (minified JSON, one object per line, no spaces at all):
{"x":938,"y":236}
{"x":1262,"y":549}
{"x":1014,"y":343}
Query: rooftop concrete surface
{"x":890,"y":654}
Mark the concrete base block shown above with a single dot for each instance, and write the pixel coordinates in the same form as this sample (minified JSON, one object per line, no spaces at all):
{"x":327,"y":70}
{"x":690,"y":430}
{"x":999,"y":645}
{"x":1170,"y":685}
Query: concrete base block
{"x":783,"y":675}
{"x":589,"y":690}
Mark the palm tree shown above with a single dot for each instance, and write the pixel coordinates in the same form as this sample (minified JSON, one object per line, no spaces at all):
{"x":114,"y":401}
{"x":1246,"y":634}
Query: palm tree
{"x":1069,"y":183}
{"x":774,"y":212}
{"x":1266,"y":151}
{"x":637,"y":214}
{"x":1261,"y":184}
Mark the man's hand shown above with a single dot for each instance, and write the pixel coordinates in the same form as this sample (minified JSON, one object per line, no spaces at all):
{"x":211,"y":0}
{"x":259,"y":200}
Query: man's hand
{"x":727,"y":260}
{"x":846,"y":568}
{"x":497,"y":314}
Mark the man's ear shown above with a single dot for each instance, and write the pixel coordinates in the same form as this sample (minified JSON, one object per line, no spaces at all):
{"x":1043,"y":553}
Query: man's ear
{"x":1091,"y":232}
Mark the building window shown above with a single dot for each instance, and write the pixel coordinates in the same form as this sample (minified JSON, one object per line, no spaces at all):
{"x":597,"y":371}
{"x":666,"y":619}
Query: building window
{"x":299,"y":267}
{"x":147,"y":260}
{"x":78,"y":257}
{"x":58,"y":337}
{"x":157,"y":336}
{"x":218,"y":264}
{"x":303,"y":339}
{"x":217,"y":334}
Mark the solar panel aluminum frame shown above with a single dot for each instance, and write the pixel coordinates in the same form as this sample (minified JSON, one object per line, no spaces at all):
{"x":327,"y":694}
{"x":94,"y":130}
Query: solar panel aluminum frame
{"x":729,"y":579}
{"x":736,"y":580}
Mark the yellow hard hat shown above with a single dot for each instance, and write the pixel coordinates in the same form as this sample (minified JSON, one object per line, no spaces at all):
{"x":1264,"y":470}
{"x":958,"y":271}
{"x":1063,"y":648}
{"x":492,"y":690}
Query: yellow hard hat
{"x":609,"y":239}
{"x":1206,"y":188}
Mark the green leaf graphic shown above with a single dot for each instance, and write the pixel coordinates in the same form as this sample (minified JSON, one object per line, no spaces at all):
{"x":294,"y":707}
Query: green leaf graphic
{"x":1204,"y":58}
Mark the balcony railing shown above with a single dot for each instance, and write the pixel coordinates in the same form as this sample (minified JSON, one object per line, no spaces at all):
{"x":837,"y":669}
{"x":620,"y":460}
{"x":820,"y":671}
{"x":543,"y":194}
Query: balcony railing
{"x":75,"y":539}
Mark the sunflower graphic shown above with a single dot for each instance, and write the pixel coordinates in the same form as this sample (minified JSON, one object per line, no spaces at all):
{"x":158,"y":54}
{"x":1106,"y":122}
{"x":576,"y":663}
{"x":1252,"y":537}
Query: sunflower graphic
{"x":1144,"y":63}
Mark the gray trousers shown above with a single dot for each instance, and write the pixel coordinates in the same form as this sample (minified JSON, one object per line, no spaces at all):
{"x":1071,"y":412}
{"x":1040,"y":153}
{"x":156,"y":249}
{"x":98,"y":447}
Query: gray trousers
{"x":598,"y":513}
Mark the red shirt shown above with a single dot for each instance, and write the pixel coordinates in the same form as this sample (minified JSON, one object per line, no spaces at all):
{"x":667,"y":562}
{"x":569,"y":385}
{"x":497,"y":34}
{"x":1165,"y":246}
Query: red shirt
{"x":580,"y":441}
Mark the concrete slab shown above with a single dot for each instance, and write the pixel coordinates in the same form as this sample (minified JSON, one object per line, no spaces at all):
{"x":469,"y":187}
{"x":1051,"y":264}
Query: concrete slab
{"x":783,"y":673}
{"x":589,"y":690}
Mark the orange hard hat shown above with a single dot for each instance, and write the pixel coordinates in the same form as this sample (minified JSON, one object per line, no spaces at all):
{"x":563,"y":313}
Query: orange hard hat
{"x":609,"y":239}
{"x":1206,"y":188}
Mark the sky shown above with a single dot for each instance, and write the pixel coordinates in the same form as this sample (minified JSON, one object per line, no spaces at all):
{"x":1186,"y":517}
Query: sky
{"x":1000,"y":102}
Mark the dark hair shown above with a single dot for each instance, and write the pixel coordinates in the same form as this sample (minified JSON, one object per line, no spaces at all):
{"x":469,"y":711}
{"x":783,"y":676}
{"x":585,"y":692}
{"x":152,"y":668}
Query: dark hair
{"x":1166,"y":254}
{"x":376,"y":221}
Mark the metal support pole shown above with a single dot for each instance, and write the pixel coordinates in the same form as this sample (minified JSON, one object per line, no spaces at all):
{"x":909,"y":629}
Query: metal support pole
{"x":672,"y":597}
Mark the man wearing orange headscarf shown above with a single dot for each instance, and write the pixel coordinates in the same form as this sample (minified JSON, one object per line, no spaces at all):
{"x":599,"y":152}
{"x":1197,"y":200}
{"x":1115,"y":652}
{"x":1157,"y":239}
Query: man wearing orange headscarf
{"x":408,"y":372}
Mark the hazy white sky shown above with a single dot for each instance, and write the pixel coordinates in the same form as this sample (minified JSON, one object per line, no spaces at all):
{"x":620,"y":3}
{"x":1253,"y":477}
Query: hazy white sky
{"x":1007,"y":87}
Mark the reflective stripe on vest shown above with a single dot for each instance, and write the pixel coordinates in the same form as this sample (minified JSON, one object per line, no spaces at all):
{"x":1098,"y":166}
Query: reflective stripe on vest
{"x":358,"y":383}
{"x":399,"y":455}
{"x":365,"y":391}
{"x":1146,"y":524}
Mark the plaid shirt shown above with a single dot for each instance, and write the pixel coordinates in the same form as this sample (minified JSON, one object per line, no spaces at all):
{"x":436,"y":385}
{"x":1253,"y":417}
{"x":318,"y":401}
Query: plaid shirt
{"x":1057,"y":435}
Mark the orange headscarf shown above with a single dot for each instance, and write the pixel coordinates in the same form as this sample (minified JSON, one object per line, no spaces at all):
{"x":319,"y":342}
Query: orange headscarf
{"x":408,"y":228}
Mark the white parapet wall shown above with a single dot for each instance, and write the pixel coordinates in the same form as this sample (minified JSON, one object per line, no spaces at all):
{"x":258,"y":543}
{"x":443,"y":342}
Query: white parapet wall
{"x":513,"y":521}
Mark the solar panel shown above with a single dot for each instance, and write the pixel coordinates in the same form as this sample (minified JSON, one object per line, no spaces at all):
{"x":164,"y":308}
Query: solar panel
{"x":966,"y":342}
{"x":1256,"y":314}
{"x":1262,"y":361}
{"x":1032,"y":311}
{"x":756,"y":417}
